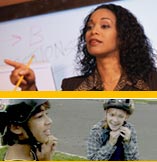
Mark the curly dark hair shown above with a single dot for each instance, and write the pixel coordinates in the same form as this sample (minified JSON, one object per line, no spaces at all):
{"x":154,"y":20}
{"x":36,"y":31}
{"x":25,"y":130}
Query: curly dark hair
{"x":136,"y":53}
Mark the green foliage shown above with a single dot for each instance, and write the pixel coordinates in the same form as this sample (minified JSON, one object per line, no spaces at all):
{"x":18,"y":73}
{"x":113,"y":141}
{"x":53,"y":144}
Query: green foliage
{"x":2,"y":152}
{"x":56,"y":157}
{"x":65,"y":157}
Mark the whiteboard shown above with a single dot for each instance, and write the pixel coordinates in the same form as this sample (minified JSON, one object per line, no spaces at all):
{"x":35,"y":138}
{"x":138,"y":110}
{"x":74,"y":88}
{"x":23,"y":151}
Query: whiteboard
{"x":53,"y":37}
{"x":43,"y":73}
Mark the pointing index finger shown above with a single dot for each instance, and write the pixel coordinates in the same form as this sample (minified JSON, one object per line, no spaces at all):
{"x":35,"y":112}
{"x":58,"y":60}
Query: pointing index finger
{"x":13,"y":63}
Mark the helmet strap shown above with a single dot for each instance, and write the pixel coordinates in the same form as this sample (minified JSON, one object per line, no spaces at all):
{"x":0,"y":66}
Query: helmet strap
{"x":31,"y":139}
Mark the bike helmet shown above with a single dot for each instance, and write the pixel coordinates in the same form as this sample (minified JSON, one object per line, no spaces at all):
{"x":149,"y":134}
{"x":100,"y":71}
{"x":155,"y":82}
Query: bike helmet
{"x":3,"y":118}
{"x":18,"y":112}
{"x":124,"y":104}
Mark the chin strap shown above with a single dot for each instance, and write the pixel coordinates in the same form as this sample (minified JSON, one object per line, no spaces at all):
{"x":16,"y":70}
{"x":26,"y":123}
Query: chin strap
{"x":31,"y":141}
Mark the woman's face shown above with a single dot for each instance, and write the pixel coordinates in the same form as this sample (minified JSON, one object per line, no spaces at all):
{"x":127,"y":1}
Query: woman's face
{"x":40,"y":126}
{"x":101,"y":35}
{"x":115,"y":118}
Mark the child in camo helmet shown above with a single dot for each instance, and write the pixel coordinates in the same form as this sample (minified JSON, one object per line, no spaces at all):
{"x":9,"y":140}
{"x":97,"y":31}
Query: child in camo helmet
{"x":114,"y":138}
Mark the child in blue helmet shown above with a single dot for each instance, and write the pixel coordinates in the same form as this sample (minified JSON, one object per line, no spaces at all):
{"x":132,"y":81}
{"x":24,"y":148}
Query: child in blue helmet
{"x":26,"y":129}
{"x":114,"y":138}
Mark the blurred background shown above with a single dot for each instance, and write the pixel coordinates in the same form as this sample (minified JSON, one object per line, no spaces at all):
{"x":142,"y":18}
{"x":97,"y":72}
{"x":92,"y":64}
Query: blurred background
{"x":73,"y":118}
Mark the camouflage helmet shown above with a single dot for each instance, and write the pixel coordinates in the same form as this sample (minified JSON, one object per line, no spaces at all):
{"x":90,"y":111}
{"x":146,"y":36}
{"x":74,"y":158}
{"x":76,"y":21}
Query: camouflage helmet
{"x":123,"y":104}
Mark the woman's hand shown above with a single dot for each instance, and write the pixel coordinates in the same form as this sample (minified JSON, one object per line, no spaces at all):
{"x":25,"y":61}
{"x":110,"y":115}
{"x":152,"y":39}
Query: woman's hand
{"x":47,"y":149}
{"x":28,"y":82}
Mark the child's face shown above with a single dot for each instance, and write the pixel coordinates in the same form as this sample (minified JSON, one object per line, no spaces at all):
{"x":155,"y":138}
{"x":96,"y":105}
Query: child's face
{"x":115,"y":118}
{"x":40,"y":126}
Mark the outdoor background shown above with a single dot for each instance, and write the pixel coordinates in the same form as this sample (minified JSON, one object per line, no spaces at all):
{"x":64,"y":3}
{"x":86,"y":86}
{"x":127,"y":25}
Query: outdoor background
{"x":73,"y":118}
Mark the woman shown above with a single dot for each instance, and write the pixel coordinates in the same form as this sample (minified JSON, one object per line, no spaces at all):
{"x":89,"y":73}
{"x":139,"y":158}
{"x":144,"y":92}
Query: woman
{"x":113,"y":54}
{"x":26,"y":129}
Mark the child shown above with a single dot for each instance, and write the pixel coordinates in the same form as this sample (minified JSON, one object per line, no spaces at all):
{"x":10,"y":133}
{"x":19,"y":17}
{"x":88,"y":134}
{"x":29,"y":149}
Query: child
{"x":26,"y":129}
{"x":114,"y":138}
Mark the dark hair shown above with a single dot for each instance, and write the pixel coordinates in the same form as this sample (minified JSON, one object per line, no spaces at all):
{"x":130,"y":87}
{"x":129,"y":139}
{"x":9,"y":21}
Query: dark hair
{"x":136,"y":54}
{"x":19,"y":114}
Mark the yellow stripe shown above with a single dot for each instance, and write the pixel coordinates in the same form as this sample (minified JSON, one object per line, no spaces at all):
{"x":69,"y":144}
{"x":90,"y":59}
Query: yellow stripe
{"x":78,"y":94}
{"x":100,"y":161}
